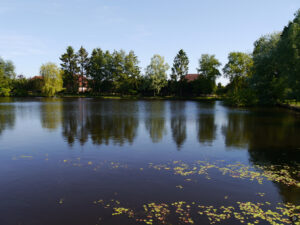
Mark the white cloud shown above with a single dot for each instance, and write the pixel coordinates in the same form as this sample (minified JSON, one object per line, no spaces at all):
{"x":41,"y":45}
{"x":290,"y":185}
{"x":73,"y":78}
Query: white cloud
{"x":20,"y":45}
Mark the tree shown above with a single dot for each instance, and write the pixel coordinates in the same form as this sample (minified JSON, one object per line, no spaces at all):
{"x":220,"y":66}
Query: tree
{"x":117,"y":70}
{"x":179,"y":70}
{"x":208,"y":69}
{"x":52,"y":77}
{"x":180,"y":66}
{"x":70,"y":68}
{"x":266,"y":80}
{"x":238,"y":68}
{"x":132,"y":70}
{"x":157,"y":72}
{"x":83,"y":61}
{"x":99,"y":70}
{"x":7,"y":73}
{"x":20,"y":86}
{"x":288,"y":55}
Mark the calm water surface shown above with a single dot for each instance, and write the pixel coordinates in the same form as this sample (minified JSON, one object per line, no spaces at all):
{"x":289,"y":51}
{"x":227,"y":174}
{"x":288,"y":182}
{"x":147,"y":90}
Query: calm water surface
{"x":79,"y":161}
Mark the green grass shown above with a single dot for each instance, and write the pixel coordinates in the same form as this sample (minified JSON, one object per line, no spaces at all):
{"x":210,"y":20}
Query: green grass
{"x":293,"y":103}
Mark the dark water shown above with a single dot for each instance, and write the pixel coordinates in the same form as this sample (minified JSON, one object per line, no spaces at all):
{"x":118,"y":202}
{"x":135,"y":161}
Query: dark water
{"x":78,"y":161}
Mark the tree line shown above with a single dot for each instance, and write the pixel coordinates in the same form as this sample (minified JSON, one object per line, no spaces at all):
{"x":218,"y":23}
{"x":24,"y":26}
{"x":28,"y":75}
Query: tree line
{"x":268,"y":75}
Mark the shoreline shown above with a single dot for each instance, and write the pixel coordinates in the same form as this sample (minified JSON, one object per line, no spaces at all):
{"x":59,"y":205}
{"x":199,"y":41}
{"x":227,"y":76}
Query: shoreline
{"x":206,"y":98}
{"x":290,"y":107}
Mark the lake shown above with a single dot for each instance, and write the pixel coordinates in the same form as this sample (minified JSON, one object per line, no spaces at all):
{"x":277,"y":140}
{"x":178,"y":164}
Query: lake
{"x":87,"y":161}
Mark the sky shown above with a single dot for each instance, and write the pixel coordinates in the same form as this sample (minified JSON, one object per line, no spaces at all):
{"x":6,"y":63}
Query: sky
{"x":34,"y":32}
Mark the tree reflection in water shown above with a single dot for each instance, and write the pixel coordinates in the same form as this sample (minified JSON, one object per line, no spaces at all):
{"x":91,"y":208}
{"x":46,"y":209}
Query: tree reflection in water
{"x":7,"y":115}
{"x":178,"y":122}
{"x":206,"y":126}
{"x":155,"y":120}
{"x":272,"y":138}
{"x":102,"y":121}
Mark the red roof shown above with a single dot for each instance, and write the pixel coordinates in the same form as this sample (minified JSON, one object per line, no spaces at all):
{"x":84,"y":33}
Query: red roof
{"x":191,"y":77}
{"x":36,"y":77}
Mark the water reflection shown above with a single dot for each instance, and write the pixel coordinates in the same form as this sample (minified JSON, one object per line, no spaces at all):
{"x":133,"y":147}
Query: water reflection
{"x":51,"y":113}
{"x":271,"y":138}
{"x":74,"y":122}
{"x":236,"y":131}
{"x":255,"y":136}
{"x":178,"y":122}
{"x":7,"y":115}
{"x":102,"y":121}
{"x":116,"y":121}
{"x":206,"y":126}
{"x":155,"y":120}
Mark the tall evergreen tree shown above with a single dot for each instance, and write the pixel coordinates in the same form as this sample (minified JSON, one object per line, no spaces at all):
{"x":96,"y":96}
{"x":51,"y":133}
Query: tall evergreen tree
{"x":83,"y":61}
{"x":70,"y":67}
{"x":179,"y":70}
{"x":180,"y":66}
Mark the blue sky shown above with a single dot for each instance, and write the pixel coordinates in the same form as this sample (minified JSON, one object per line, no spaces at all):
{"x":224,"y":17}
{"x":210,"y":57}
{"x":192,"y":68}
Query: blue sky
{"x":34,"y":32}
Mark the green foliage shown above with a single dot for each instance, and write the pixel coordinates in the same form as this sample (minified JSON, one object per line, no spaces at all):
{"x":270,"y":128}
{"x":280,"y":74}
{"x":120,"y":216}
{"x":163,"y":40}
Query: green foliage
{"x":52,"y":77}
{"x":238,"y":67}
{"x":180,"y":66}
{"x":131,"y":74}
{"x":288,"y":57}
{"x":241,"y":97}
{"x":20,"y":86}
{"x":98,"y":70}
{"x":238,"y":70}
{"x":179,"y":70}
{"x":7,"y":73}
{"x":208,"y":66}
{"x":157,"y":73}
{"x":70,"y":68}
{"x":208,"y":70}
{"x":266,"y":80}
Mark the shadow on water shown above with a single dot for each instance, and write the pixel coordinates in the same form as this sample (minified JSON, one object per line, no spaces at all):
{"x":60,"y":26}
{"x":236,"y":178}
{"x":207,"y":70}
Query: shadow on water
{"x":272,"y":138}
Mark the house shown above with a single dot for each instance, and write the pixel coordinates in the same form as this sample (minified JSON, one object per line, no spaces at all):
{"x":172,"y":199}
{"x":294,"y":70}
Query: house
{"x":83,"y":84}
{"x":191,"y":77}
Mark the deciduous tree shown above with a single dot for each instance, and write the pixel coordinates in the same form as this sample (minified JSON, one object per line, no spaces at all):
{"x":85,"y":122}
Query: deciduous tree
{"x":52,"y":77}
{"x":157,"y":72}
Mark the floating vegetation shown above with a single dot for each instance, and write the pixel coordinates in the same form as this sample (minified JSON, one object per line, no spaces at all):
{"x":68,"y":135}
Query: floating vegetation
{"x":179,"y":186}
{"x":245,"y":212}
{"x":95,"y":165}
{"x":22,"y":157}
{"x":61,"y":201}
{"x":274,"y":173}
{"x":261,"y":194}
